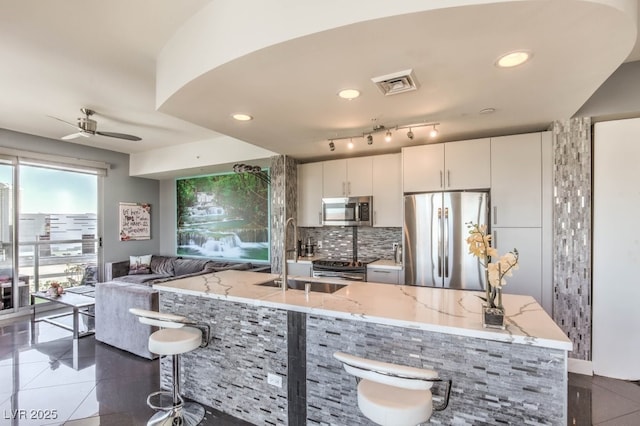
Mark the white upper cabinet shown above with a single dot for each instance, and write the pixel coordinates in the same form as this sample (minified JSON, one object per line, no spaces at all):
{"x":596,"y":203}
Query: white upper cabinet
{"x":467,"y":164}
{"x":448,"y":166}
{"x":516,"y":180}
{"x":347,"y":178}
{"x":387,"y":191}
{"x":422,"y":168}
{"x":310,"y":194}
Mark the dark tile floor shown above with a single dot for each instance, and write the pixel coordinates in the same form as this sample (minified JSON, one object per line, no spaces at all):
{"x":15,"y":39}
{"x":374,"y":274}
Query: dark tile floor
{"x":40,"y":386}
{"x":109,"y":386}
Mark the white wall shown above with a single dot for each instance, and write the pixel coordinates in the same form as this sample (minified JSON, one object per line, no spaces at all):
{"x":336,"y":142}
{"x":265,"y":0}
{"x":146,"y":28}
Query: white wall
{"x":196,"y":158}
{"x":618,"y":97}
{"x":616,"y":249}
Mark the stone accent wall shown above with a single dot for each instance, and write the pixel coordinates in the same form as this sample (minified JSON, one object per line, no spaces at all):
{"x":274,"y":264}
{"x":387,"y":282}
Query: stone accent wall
{"x":231,"y":373}
{"x":337,"y":241}
{"x":284,"y":201}
{"x":572,"y":232}
{"x":493,"y":382}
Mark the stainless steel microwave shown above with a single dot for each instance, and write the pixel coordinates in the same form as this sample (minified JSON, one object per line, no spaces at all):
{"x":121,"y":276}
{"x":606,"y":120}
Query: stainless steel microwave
{"x":351,"y":211}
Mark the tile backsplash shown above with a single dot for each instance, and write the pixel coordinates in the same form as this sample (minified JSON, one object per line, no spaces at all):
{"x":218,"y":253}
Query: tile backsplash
{"x":337,"y":241}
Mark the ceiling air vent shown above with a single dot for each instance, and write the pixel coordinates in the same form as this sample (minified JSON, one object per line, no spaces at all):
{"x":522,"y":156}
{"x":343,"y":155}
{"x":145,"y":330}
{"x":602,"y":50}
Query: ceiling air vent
{"x":398,"y":82}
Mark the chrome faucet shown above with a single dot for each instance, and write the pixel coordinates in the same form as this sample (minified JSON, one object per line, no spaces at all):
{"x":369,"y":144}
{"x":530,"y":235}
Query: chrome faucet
{"x":285,"y":279}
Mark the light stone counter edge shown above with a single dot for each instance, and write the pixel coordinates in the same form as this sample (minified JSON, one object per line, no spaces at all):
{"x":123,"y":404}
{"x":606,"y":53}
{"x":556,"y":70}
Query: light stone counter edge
{"x":447,"y":311}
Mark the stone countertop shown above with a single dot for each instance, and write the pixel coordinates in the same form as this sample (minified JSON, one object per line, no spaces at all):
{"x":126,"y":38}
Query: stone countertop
{"x":447,"y":311}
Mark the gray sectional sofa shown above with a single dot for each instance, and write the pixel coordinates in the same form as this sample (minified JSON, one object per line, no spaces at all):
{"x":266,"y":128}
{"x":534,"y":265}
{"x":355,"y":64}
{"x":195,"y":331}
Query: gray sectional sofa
{"x":115,"y":325}
{"x":167,"y":268}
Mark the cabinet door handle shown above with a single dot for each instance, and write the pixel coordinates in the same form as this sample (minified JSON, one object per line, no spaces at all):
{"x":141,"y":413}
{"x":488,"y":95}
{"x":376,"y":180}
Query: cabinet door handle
{"x":381,"y":271}
{"x":348,"y":188}
{"x":494,"y":243}
{"x":343,"y":189}
{"x":375,"y":215}
{"x":441,"y":183}
{"x":449,"y":178}
{"x":319,"y":218}
{"x":495,"y":215}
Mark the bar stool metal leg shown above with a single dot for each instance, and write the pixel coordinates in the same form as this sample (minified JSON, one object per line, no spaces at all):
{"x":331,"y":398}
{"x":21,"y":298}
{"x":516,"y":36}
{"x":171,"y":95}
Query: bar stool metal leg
{"x":181,"y":413}
{"x":176,"y":336}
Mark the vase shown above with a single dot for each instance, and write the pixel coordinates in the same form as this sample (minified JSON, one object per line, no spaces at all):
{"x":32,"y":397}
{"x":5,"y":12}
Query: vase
{"x":493,"y":317}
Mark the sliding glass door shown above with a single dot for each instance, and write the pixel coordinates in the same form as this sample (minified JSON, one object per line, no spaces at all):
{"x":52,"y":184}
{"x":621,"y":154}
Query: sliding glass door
{"x":8,"y":297}
{"x":57,"y":234}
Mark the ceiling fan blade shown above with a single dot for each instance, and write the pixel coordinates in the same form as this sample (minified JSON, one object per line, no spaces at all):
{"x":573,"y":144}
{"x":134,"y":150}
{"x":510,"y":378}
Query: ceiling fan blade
{"x":119,"y":136}
{"x":75,"y":135}
{"x":65,"y":122}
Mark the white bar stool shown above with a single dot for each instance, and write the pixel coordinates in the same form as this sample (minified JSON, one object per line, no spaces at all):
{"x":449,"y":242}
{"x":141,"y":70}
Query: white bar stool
{"x":391,"y":394}
{"x":177,"y":335}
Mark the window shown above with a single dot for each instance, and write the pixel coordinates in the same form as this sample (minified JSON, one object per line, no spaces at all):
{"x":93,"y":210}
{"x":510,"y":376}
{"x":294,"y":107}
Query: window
{"x":57,"y":238}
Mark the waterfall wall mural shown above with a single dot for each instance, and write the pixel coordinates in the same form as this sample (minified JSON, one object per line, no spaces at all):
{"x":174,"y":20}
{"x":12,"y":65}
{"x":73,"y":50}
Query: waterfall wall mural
{"x":224,"y":216}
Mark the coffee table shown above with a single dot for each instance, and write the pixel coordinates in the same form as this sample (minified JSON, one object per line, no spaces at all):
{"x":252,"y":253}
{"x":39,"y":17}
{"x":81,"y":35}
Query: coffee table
{"x":79,"y":304}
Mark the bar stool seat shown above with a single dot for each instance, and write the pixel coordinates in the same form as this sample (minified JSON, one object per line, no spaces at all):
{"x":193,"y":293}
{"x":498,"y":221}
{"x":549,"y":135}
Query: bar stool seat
{"x":391,"y":394}
{"x":177,"y":335}
{"x":390,"y":405}
{"x":173,"y":341}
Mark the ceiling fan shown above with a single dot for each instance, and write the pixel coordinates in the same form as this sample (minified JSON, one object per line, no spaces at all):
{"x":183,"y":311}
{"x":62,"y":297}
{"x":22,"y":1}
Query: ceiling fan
{"x":87,"y":127}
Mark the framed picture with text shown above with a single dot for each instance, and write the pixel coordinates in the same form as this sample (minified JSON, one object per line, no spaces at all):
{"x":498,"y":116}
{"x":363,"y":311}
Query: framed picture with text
{"x":135,"y":221}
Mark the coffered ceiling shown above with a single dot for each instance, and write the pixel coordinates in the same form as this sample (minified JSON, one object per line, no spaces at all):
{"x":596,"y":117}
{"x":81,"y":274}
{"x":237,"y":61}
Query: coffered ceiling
{"x":173,"y":72}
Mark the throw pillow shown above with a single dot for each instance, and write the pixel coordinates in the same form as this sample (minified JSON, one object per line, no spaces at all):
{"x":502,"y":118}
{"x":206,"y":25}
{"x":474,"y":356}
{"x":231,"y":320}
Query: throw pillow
{"x":140,"y":264}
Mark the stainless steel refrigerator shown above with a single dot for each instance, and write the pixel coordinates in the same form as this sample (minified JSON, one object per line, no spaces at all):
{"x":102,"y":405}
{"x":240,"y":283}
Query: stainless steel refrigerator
{"x":436,"y":253}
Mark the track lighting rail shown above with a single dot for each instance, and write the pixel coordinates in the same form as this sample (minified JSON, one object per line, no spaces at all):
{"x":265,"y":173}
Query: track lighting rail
{"x":368,"y":136}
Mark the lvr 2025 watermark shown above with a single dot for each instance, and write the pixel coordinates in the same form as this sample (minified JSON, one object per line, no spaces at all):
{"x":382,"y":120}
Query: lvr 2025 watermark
{"x":31,"y":414}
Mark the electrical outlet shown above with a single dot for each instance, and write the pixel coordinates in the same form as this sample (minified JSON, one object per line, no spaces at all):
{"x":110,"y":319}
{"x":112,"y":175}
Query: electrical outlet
{"x":319,"y":244}
{"x":274,"y":380}
{"x":395,"y":245}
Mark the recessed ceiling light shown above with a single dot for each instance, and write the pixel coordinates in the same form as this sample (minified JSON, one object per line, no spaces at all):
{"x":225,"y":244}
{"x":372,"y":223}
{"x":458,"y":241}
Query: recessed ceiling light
{"x":349,"y":94}
{"x":242,"y":117}
{"x":513,"y":59}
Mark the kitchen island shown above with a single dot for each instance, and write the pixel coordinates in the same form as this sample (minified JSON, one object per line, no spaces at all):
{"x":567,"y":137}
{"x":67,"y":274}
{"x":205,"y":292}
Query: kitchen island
{"x":271,"y":357}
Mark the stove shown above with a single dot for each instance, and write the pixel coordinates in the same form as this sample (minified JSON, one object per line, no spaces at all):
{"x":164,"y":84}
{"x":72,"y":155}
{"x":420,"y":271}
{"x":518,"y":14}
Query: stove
{"x":348,"y":269}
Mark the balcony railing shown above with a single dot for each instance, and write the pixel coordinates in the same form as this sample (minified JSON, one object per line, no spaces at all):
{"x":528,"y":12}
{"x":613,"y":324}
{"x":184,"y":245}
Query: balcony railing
{"x":62,"y":261}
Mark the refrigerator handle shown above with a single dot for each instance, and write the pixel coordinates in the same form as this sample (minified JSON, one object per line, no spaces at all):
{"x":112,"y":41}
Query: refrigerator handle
{"x":441,"y":179}
{"x":440,"y":242}
{"x":494,"y":243}
{"x":446,"y":242}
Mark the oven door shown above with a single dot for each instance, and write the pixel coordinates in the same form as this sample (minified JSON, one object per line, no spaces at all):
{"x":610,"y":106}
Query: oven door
{"x":339,"y":212}
{"x":340,"y":275}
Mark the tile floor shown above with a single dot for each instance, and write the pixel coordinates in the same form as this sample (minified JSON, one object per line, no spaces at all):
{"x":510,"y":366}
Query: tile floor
{"x":109,"y":386}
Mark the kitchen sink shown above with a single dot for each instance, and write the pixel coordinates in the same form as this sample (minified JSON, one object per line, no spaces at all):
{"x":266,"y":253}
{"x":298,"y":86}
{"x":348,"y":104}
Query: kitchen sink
{"x":297,"y":284}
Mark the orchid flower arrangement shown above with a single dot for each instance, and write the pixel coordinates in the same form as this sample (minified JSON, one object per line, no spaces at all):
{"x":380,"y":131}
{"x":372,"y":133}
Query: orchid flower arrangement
{"x":480,"y":246}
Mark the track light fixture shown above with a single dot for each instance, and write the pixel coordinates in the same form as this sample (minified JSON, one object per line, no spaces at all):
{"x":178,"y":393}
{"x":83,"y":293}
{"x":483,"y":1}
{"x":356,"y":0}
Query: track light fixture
{"x":388,"y":135}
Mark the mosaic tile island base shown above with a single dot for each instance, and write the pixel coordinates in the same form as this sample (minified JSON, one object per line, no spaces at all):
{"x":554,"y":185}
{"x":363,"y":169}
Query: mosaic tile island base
{"x":515,"y":376}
